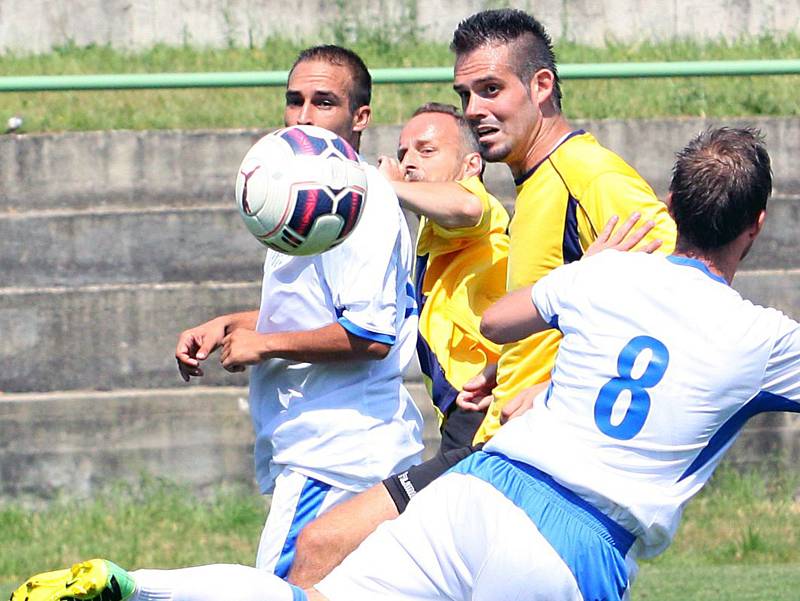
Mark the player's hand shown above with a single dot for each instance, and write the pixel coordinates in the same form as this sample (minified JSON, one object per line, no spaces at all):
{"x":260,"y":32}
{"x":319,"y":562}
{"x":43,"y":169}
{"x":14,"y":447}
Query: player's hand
{"x":241,"y":348}
{"x":522,"y":402}
{"x":622,"y":238}
{"x":195,"y":345}
{"x":390,"y":168}
{"x":476,"y":394}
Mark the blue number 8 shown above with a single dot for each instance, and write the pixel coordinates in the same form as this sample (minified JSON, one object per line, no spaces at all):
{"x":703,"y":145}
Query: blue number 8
{"x":635,"y":416}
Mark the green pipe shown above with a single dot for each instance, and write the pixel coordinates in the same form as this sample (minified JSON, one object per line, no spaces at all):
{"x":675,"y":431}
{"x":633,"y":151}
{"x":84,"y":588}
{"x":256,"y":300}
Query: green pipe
{"x":41,"y":83}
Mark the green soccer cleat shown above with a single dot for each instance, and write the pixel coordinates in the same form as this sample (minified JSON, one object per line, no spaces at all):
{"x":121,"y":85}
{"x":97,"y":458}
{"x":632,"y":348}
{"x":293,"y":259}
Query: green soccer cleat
{"x":95,"y":579}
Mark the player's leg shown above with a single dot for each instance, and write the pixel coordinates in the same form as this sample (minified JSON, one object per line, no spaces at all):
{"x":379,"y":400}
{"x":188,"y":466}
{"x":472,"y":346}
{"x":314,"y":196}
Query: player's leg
{"x":458,"y":539}
{"x":490,"y":531}
{"x":296,"y":501}
{"x":326,"y":541}
{"x":406,"y":558}
{"x":102,"y":580}
{"x":330,"y":538}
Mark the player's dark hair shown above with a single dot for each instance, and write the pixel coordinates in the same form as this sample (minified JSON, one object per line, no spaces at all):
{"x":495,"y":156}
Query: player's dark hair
{"x":531,"y":46}
{"x":361,"y":90}
{"x":720,"y":184}
{"x":468,"y":141}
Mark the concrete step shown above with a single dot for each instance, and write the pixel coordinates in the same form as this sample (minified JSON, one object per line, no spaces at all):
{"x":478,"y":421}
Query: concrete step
{"x":139,"y":169}
{"x":208,"y":242}
{"x":128,"y":169}
{"x":119,"y":168}
{"x":123,"y":336}
{"x":105,"y":337}
{"x":137,"y":245}
{"x":71,"y":443}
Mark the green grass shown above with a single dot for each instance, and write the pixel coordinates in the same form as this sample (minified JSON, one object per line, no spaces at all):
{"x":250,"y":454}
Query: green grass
{"x":262,"y":107}
{"x":156,"y":524}
{"x":718,"y":583}
{"x":739,"y":538}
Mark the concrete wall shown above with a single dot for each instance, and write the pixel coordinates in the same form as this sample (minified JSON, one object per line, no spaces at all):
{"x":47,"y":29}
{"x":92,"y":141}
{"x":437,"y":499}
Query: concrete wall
{"x":38,"y":25}
{"x":113,"y":242}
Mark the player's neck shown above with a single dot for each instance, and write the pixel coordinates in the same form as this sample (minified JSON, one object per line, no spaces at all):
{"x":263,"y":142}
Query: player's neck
{"x":552,"y":132}
{"x":721,"y":262}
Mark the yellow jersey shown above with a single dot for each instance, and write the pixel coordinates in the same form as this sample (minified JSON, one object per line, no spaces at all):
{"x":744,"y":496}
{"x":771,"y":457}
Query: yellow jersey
{"x":562,"y":203}
{"x":460,"y":272}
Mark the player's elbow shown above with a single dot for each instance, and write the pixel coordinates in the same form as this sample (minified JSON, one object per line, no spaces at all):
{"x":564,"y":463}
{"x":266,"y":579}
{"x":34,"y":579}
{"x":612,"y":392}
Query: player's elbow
{"x":492,"y":328}
{"x":376,"y":351}
{"x":472,"y":211}
{"x":468,"y":214}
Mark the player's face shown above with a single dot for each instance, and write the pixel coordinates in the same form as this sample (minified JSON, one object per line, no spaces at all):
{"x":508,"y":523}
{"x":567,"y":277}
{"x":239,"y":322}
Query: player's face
{"x":429,"y":149}
{"x":318,"y":94}
{"x":497,"y":104}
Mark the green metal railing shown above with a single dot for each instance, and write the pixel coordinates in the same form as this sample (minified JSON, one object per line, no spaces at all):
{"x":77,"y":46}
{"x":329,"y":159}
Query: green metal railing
{"x":42,"y":83}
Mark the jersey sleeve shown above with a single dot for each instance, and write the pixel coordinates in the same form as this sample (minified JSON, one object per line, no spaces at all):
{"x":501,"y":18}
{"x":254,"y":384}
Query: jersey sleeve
{"x":549,"y":292}
{"x":782,"y":372}
{"x":363,"y":272}
{"x":621,"y":194}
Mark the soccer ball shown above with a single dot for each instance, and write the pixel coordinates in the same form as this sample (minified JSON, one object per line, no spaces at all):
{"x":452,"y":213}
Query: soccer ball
{"x":301,"y":190}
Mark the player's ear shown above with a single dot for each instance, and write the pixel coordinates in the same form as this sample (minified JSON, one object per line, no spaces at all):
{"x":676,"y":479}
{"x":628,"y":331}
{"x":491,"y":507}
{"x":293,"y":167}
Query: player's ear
{"x":361,"y":118}
{"x":758,"y":225}
{"x":472,"y":165}
{"x":541,"y":86}
{"x":668,"y":202}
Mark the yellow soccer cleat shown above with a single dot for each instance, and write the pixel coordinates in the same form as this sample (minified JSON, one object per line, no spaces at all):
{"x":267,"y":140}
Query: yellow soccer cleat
{"x":95,"y":579}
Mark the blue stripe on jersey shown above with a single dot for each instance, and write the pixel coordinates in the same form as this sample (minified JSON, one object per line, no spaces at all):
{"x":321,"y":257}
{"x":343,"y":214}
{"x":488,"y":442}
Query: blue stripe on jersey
{"x":412,"y":308}
{"x":554,"y":323}
{"x":761,"y":403}
{"x":364,"y":333}
{"x":689,"y":262}
{"x":298,"y":594}
{"x":571,"y":246}
{"x":308,"y":505}
{"x":591,"y":544}
{"x":442,"y":392}
{"x":419,"y":277}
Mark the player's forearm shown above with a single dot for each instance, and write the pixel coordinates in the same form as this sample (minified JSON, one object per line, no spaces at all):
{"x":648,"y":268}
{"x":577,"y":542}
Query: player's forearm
{"x":447,"y":203}
{"x":329,"y":343}
{"x":512,"y":318}
{"x":245,"y":319}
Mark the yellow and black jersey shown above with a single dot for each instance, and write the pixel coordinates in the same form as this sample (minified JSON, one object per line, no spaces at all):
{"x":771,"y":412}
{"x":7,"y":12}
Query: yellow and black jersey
{"x":562,"y":203}
{"x":460,"y":272}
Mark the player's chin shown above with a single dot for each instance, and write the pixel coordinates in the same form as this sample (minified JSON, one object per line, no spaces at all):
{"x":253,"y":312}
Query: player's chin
{"x":494,"y":152}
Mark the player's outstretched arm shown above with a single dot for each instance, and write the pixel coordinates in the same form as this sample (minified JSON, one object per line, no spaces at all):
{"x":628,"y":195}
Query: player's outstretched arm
{"x":447,"y":203}
{"x":243,"y":347}
{"x":196,"y":344}
{"x":512,"y":318}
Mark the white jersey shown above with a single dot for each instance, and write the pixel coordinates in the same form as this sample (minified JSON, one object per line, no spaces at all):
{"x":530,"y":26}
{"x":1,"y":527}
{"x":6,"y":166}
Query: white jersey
{"x":350,"y":423}
{"x":660,"y":366}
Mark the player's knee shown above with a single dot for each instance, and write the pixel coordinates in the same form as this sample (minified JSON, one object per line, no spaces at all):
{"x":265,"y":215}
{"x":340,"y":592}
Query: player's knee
{"x":313,"y":545}
{"x":312,"y":539}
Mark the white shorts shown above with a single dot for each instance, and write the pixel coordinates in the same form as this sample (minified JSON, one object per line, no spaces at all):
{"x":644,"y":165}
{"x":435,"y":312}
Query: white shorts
{"x":296,"y":501}
{"x":488,"y":530}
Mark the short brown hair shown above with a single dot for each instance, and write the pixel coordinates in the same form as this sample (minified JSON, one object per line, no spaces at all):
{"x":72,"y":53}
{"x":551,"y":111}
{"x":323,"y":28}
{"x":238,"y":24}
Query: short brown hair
{"x":533,"y":48}
{"x":720,"y":184}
